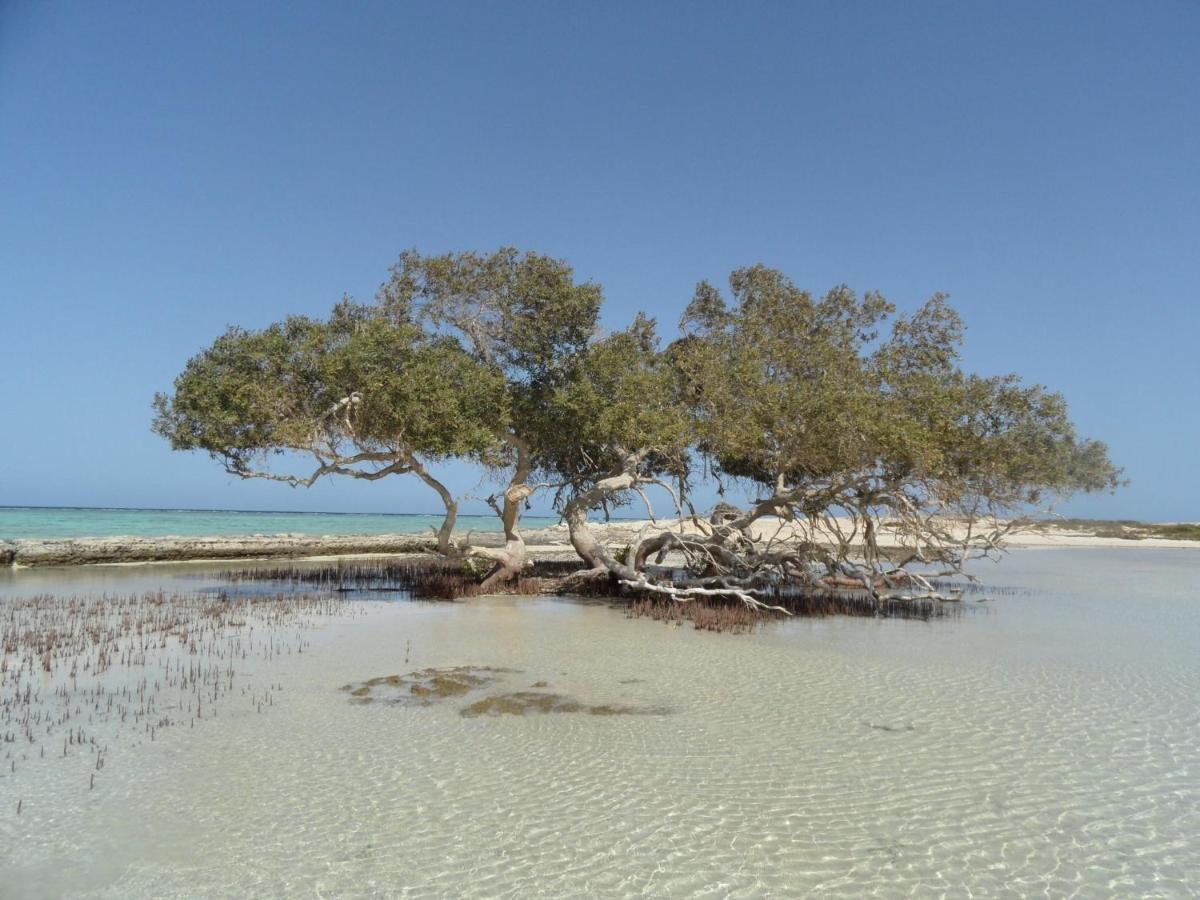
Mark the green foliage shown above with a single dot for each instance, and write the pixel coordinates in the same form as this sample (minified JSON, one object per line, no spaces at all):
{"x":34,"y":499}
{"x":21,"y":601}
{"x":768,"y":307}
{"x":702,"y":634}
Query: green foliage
{"x":520,"y":311}
{"x":792,"y":390}
{"x":495,"y":358}
{"x":523,"y":317}
{"x":248,"y":392}
{"x":418,"y":390}
{"x":254,"y":393}
{"x":777,"y":381}
{"x":620,"y":396}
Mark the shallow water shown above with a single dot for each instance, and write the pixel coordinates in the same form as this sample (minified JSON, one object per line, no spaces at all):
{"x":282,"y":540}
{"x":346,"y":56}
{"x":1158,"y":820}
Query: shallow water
{"x":1047,"y":745}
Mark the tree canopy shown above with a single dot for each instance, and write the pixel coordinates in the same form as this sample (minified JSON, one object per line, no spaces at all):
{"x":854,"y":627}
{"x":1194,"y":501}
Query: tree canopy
{"x":858,"y":424}
{"x":364,"y":394}
{"x":851,"y":424}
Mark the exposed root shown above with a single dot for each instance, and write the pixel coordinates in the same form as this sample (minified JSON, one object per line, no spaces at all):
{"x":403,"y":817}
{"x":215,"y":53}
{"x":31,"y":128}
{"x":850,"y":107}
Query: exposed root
{"x":685,"y":594}
{"x":723,"y":614}
{"x":439,"y":579}
{"x":418,"y":578}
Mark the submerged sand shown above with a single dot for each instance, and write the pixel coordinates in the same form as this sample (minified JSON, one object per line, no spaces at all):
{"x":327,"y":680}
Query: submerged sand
{"x":1046,"y":745}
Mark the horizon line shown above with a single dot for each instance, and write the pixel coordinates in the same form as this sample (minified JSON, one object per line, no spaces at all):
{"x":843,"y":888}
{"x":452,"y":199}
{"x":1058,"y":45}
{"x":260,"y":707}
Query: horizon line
{"x":285,"y":512}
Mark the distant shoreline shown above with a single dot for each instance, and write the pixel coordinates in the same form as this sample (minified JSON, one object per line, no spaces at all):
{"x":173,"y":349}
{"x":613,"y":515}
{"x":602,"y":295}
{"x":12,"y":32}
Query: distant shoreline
{"x":136,"y":549}
{"x":247,"y":512}
{"x":552,"y":542}
{"x":86,"y":523}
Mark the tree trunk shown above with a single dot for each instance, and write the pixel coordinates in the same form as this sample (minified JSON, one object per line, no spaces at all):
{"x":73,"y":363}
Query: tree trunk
{"x":446,"y":531}
{"x":590,"y":550}
{"x":512,"y":560}
{"x":582,"y":538}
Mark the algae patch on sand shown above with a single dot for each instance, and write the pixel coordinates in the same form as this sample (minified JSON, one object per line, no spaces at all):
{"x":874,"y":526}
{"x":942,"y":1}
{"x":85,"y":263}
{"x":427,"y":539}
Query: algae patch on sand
{"x":428,"y":686}
{"x":521,"y":703}
{"x":425,"y":686}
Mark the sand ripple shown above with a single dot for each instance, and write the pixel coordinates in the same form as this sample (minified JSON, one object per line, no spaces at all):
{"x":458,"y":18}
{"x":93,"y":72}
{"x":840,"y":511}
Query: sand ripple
{"x":1003,"y":755}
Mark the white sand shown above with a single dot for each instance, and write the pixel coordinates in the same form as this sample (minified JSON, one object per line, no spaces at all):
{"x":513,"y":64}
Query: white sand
{"x":626,"y":531}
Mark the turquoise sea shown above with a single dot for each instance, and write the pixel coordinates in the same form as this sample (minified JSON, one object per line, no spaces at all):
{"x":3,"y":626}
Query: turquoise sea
{"x":33,"y":522}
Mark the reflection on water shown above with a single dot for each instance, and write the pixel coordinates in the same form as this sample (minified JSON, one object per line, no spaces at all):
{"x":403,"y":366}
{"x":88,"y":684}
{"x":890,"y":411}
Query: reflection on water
{"x":1048,"y":744}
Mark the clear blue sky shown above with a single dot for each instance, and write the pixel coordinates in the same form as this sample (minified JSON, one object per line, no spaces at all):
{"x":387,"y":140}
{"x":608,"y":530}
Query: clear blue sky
{"x":167,"y":169}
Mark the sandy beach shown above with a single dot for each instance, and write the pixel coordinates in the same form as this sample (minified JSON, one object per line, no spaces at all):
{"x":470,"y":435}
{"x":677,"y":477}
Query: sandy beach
{"x":627,"y":531}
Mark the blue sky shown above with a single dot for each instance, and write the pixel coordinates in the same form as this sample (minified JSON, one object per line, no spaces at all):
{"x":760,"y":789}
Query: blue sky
{"x":169,"y":169}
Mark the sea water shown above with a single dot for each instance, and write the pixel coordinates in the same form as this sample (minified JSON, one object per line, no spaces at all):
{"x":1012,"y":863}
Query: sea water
{"x":18,"y":522}
{"x":1047,"y":743}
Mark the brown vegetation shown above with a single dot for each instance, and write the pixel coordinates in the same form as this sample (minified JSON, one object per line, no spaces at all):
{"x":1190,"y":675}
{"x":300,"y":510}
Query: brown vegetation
{"x":83,"y":669}
{"x":728,"y":614}
{"x":423,"y":687}
{"x":521,"y":703}
{"x":427,"y":578}
{"x":1126,"y":529}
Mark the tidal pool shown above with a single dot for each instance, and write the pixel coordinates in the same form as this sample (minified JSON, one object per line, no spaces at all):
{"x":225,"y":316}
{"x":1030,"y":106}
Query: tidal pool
{"x":1048,"y":744}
